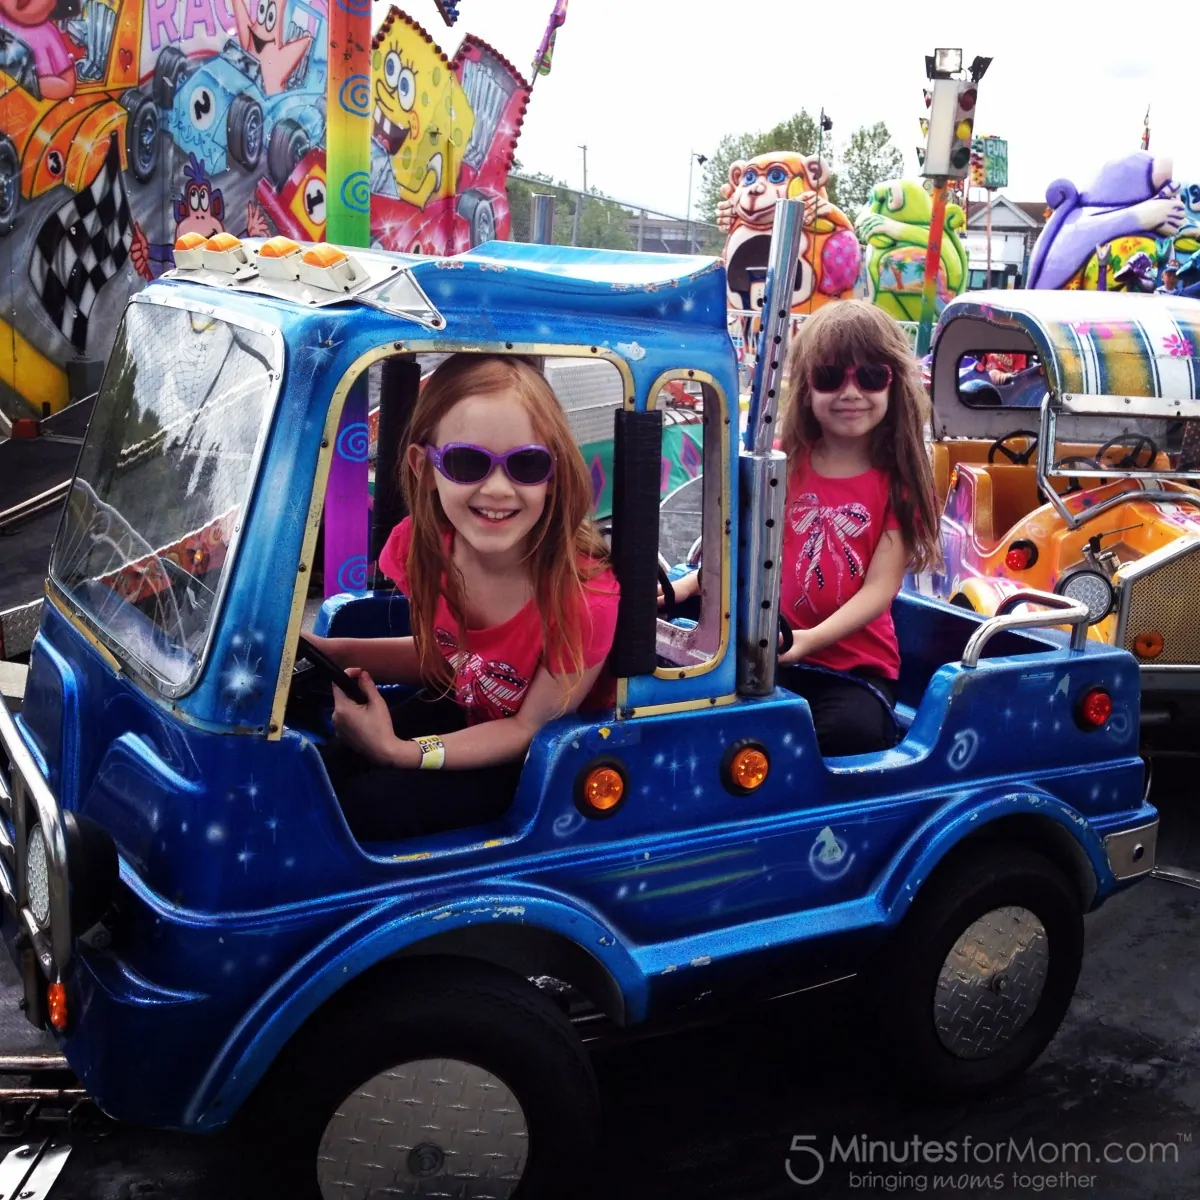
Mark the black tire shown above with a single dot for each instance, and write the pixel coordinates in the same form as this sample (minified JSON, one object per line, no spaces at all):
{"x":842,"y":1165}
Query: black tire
{"x":288,"y":145}
{"x":456,"y":1013}
{"x":936,"y":1056}
{"x":10,"y":185}
{"x":141,"y":134}
{"x":244,"y":130}
{"x":960,"y":600}
{"x":476,"y":209}
{"x":171,"y":68}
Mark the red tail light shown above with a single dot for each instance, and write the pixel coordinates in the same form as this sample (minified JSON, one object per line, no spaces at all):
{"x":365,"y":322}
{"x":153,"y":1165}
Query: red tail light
{"x":1095,"y":709}
{"x":1022,"y":554}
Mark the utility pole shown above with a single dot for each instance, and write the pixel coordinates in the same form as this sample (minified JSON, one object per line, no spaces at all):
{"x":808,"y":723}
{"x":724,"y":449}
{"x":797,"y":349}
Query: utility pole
{"x":692,"y":160}
{"x":579,"y":201}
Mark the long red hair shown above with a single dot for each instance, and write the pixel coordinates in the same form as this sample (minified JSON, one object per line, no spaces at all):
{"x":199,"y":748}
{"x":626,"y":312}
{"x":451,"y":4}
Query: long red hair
{"x":564,"y":550}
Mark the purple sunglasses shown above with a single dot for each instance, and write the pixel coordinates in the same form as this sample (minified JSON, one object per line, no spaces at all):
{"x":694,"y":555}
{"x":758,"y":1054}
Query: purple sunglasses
{"x":462,"y":462}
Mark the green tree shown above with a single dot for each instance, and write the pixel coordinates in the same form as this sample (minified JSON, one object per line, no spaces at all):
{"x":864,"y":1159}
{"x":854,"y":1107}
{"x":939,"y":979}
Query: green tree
{"x":603,"y":224}
{"x":870,"y":158}
{"x":798,"y":134}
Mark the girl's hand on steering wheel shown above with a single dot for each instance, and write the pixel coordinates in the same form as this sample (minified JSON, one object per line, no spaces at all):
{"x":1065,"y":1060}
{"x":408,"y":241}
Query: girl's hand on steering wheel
{"x":368,"y":727}
{"x":685,"y":588}
{"x":800,"y":649}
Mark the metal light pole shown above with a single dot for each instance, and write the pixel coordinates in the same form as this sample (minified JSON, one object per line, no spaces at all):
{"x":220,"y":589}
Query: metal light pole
{"x":824,"y":124}
{"x":579,"y":201}
{"x":692,"y":160}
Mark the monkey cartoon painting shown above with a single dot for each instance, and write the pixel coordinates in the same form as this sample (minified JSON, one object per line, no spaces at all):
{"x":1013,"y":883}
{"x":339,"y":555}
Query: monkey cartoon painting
{"x":830,"y":255}
{"x":200,"y":208}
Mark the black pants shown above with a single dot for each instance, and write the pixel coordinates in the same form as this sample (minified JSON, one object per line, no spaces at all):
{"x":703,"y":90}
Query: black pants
{"x":384,"y":804}
{"x":849,"y":718}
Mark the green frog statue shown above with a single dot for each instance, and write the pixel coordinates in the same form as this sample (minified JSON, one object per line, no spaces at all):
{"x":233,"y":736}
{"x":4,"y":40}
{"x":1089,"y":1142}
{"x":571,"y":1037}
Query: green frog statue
{"x":893,"y":227}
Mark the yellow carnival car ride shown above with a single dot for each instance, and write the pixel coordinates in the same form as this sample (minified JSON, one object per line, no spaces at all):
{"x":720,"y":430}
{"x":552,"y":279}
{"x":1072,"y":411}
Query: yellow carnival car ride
{"x":1073,"y":466}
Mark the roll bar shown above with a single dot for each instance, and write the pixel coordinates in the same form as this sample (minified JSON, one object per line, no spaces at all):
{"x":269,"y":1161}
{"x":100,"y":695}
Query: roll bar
{"x":1069,"y":612}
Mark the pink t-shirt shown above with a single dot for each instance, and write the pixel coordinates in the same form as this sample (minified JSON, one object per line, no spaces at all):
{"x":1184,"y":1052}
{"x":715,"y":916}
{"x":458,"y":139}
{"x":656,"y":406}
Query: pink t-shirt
{"x":493,"y":671}
{"x":831,"y":530}
{"x":45,"y":43}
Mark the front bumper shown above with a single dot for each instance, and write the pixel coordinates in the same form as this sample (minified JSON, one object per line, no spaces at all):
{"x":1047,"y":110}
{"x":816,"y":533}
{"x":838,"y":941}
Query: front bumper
{"x":42,"y":951}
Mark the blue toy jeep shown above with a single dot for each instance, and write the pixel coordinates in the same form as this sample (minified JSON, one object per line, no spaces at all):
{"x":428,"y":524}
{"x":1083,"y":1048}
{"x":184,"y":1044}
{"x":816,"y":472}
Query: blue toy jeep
{"x":195,"y":918}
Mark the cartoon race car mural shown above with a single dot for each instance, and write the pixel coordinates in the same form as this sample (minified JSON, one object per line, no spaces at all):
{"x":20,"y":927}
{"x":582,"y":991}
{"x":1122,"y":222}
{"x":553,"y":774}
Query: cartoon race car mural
{"x":1095,"y":496}
{"x":444,"y":132}
{"x":265,"y":90}
{"x":57,"y":125}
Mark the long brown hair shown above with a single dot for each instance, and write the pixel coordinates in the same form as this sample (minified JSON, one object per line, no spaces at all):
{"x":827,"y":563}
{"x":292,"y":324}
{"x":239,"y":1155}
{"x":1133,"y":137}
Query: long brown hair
{"x":844,"y":333}
{"x":565,"y":549}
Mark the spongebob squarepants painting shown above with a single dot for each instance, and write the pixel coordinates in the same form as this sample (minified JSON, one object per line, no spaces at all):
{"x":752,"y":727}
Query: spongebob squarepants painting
{"x":443,"y":133}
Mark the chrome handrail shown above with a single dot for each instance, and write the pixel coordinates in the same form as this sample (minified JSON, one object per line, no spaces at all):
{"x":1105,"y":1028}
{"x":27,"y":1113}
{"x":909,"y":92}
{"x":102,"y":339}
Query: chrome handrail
{"x":1070,"y":612}
{"x":27,"y":780}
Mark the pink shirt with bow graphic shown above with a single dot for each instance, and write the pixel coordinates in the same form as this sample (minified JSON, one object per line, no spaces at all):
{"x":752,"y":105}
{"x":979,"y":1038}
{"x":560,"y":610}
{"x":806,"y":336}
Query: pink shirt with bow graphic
{"x":493,"y":671}
{"x":831,"y":530}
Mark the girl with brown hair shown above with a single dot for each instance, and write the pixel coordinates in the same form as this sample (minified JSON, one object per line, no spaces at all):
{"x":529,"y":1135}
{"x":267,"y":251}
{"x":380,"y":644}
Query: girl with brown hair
{"x":860,"y":513}
{"x":511,"y":603}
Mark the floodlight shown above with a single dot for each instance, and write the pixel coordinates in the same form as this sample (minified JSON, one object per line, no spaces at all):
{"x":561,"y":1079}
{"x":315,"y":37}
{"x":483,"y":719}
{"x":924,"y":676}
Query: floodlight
{"x":978,"y":66}
{"x":947,"y":62}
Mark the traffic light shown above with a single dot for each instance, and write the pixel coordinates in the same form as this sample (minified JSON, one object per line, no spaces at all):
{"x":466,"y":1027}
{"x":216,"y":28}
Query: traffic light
{"x":950,"y":129}
{"x":964,"y":128}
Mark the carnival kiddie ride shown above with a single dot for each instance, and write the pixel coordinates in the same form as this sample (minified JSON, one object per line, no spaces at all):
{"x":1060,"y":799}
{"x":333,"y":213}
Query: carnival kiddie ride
{"x":678,"y":854}
{"x":894,"y":228}
{"x":1118,"y":232}
{"x":1095,"y":498}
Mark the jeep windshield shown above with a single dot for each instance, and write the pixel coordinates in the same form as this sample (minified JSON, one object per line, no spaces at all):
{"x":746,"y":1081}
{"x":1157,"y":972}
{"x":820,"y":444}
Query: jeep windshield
{"x":150,"y":526}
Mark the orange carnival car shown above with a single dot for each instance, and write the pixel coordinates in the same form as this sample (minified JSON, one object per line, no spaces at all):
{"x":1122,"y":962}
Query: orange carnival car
{"x":1084,"y":485}
{"x":46,"y":142}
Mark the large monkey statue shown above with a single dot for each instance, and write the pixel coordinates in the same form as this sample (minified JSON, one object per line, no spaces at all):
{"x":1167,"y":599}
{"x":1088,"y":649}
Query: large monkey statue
{"x":830,"y":255}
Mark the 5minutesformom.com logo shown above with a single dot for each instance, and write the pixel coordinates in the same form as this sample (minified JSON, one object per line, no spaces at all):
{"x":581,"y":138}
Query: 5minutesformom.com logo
{"x":806,"y":1161}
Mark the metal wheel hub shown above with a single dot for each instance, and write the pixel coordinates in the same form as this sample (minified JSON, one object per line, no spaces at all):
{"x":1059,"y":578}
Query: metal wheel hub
{"x":433,"y":1127}
{"x":991,"y":982}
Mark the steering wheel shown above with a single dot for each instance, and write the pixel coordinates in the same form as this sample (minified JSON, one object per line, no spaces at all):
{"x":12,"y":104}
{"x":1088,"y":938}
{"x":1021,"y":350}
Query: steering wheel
{"x":1138,"y":442}
{"x":1017,"y":457}
{"x":786,"y":638}
{"x":1077,"y":460}
{"x":668,"y":590}
{"x":328,"y":669}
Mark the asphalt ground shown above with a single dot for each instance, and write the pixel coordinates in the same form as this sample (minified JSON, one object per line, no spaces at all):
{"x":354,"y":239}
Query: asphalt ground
{"x":1112,"y":1109}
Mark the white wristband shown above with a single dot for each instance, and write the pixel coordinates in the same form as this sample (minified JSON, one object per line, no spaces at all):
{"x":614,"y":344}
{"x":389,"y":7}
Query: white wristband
{"x":433,"y":752}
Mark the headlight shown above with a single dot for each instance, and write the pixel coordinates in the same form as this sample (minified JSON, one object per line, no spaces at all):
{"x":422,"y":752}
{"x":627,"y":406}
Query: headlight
{"x":37,"y":877}
{"x":1091,"y":589}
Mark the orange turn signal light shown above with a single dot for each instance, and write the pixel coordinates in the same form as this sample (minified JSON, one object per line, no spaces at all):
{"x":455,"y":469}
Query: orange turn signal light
{"x":56,"y":1005}
{"x":324,"y":255}
{"x":749,"y":767}
{"x":222,"y":241}
{"x":1148,"y":645}
{"x":746,"y":767}
{"x":278,"y":247}
{"x":603,"y":788}
{"x":190,"y":241}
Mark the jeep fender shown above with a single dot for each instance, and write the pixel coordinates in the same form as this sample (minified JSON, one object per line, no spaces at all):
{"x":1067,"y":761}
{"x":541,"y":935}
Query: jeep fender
{"x":971,"y":815}
{"x":381,"y":933}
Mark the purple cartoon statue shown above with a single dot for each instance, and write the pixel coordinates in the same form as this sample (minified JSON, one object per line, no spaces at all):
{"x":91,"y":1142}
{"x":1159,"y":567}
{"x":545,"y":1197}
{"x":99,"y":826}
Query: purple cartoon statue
{"x":1131,"y":202}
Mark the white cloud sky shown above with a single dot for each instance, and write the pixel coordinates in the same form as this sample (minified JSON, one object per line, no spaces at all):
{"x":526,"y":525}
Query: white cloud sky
{"x":643,"y":82}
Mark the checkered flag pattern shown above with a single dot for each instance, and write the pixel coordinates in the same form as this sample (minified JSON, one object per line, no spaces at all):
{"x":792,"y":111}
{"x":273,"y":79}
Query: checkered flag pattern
{"x":81,"y":246}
